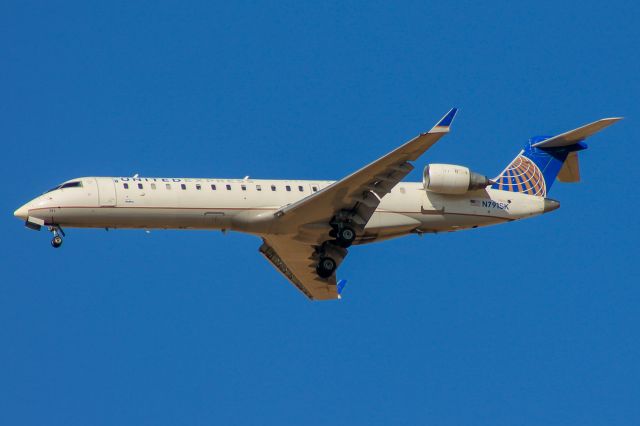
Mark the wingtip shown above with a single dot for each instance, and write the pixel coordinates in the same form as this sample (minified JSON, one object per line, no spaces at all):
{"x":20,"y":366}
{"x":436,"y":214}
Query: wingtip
{"x":340,"y":287}
{"x":609,"y":121}
{"x":448,"y":118}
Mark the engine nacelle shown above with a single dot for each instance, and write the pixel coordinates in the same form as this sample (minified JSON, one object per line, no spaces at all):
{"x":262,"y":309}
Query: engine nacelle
{"x":452,"y":179}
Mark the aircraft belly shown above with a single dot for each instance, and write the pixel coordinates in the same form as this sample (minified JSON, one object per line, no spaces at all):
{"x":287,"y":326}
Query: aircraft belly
{"x":141,"y":217}
{"x":385,"y":225}
{"x":454,"y":222}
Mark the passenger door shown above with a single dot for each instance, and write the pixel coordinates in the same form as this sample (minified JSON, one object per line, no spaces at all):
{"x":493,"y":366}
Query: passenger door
{"x":106,"y":192}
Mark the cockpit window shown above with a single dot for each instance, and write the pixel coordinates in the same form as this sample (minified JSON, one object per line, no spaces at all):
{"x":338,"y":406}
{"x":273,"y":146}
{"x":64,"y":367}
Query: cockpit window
{"x":76,"y":184}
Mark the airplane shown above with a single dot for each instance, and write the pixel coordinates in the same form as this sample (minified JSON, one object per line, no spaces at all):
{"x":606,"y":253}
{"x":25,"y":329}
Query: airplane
{"x":306,"y":226}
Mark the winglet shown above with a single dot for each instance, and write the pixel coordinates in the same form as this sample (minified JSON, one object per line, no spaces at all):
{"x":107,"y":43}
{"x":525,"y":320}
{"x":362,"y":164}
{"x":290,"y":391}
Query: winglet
{"x":340,"y":286}
{"x":444,"y":124}
{"x":448,"y":118}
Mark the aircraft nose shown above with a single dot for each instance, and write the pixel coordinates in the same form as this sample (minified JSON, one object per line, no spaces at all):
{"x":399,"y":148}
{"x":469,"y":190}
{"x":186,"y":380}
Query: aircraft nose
{"x":550,"y":205}
{"x":22,"y":212}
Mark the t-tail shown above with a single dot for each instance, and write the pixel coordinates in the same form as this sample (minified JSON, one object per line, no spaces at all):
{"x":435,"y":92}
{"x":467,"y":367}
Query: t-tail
{"x":544,"y":158}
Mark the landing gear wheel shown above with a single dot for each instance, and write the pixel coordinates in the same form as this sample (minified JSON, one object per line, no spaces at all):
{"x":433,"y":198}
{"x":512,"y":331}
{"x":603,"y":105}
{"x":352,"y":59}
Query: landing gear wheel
{"x":326,"y":267}
{"x":345,"y":236}
{"x":56,"y":241}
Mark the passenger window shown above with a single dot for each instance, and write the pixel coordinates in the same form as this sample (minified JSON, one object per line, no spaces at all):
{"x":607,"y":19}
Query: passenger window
{"x":288,"y":188}
{"x":228,"y":187}
{"x":273,"y":187}
{"x":213,"y":187}
{"x":315,"y":188}
{"x":168,"y":185}
{"x":153,"y":186}
{"x":139,"y":186}
{"x":198,"y":187}
{"x":243,"y":187}
{"x":300,"y":188}
{"x":183,"y":186}
{"x":126,"y":185}
{"x":258,"y":188}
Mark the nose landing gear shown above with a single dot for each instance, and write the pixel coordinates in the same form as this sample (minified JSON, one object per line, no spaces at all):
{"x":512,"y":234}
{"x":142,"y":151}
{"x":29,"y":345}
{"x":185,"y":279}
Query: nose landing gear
{"x":56,"y":241}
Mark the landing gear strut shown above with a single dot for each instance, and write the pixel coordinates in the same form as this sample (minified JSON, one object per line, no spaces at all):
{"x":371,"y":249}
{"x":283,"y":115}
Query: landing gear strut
{"x":56,"y":241}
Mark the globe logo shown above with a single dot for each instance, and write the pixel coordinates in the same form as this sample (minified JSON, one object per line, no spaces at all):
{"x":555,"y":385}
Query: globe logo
{"x":522,"y":175}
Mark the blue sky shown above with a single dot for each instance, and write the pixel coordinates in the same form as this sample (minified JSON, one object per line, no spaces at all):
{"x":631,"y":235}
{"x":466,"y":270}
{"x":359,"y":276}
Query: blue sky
{"x":533,"y":322}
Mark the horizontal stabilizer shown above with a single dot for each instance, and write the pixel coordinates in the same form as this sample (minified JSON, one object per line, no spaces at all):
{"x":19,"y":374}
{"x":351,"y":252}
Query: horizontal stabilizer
{"x":574,"y":136}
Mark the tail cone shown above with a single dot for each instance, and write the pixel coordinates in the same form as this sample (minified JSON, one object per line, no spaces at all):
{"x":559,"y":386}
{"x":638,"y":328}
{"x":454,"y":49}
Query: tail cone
{"x":550,"y":205}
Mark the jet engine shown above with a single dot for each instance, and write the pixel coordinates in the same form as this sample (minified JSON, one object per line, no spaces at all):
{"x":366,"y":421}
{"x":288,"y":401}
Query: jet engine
{"x":452,"y":179}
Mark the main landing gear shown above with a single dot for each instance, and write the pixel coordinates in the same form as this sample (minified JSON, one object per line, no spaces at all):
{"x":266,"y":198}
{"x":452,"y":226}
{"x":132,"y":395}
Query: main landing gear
{"x":344,"y":235}
{"x":328,"y":255}
{"x":326,"y":267}
{"x":58,"y":233}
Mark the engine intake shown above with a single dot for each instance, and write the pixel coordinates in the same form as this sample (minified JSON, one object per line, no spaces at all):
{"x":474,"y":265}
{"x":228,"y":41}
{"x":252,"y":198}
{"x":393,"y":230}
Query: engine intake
{"x":452,"y":179}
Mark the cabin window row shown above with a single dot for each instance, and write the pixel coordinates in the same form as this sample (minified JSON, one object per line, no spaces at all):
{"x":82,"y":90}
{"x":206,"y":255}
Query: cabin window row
{"x":227,"y":186}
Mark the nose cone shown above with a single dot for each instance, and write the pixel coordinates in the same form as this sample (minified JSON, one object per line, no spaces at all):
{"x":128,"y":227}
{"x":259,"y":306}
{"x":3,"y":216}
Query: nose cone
{"x":22,"y":212}
{"x":550,"y":205}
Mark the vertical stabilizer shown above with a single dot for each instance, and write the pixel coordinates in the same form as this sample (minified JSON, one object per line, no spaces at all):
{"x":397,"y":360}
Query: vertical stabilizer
{"x":544,"y":158}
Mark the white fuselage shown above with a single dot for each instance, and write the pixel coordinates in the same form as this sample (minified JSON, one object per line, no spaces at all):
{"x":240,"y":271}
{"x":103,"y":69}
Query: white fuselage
{"x":249,"y":205}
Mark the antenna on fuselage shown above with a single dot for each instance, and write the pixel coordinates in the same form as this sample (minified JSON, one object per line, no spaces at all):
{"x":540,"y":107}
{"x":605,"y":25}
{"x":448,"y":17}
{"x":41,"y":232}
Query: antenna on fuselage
{"x":135,"y":176}
{"x":246,"y":177}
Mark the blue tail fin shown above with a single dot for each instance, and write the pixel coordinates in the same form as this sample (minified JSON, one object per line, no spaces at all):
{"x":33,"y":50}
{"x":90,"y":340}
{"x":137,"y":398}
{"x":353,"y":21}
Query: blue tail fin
{"x":536,"y":167}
